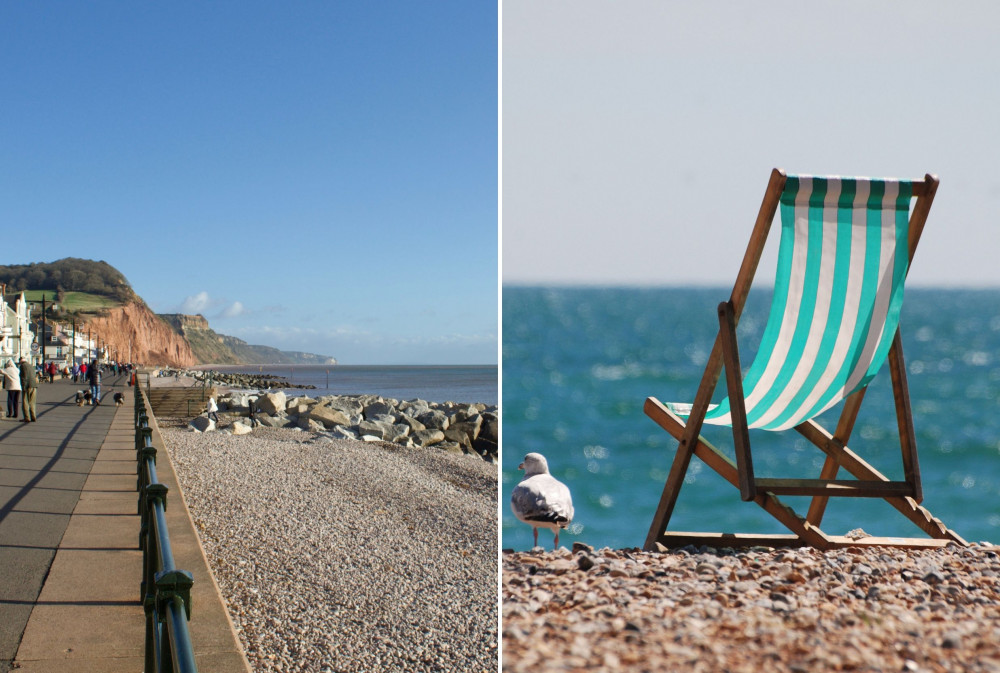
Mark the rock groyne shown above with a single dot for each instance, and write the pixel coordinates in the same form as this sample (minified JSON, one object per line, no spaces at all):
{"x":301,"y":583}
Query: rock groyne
{"x":449,"y":426}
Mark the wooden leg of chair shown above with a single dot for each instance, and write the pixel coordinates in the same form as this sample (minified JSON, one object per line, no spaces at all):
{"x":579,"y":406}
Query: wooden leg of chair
{"x":817,"y":507}
{"x":675,"y":479}
{"x":904,"y":417}
{"x":737,"y":405}
{"x":845,"y":426}
{"x":668,"y":498}
{"x":687,"y":434}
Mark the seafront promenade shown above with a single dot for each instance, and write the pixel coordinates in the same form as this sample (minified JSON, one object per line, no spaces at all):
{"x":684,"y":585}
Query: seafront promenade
{"x":70,"y":563}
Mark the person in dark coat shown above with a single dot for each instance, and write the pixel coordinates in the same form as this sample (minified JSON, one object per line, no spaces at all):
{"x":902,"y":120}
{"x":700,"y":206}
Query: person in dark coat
{"x":94,"y":375}
{"x":29,"y":385}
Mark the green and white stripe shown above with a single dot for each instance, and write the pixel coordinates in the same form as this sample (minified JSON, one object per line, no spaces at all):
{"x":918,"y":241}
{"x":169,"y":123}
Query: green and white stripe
{"x":838,"y":290}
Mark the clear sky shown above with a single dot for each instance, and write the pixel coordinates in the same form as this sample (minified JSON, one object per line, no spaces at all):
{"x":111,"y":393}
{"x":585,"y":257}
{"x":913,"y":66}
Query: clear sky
{"x":638,"y":136}
{"x":316,"y":176}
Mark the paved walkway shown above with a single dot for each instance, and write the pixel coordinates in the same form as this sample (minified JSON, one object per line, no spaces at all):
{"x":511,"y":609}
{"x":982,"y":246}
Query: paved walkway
{"x":71,"y":565}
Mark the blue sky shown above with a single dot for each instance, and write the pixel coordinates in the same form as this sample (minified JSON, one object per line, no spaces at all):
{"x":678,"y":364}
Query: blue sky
{"x":638,"y":136}
{"x":317,"y":176}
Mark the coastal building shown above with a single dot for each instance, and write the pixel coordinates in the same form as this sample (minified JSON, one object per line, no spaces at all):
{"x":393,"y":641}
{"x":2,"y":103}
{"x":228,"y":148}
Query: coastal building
{"x":17,"y":340}
{"x":67,"y":347}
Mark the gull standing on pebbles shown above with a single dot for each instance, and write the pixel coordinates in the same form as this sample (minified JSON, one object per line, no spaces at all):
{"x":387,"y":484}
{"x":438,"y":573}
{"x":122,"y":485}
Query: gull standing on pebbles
{"x":541,"y":500}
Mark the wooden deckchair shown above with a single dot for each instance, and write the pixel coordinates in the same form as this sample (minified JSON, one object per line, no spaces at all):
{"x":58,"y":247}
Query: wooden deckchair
{"x":846,"y":245}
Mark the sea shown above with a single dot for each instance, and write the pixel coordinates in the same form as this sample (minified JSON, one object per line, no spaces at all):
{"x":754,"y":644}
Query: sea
{"x":467,"y":384}
{"x":578,"y":363}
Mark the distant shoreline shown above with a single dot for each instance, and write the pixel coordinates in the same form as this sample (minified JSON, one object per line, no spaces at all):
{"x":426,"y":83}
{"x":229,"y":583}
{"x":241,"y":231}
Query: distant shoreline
{"x":436,"y":383}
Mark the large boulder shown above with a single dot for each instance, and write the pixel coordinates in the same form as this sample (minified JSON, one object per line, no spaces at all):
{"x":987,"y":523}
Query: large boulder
{"x":374,"y":429}
{"x":413,"y":407}
{"x":298,"y":401}
{"x":490,"y":428}
{"x":428,"y":437}
{"x":412,"y":423}
{"x":434,"y":419}
{"x":202,"y":424}
{"x":328,"y":416}
{"x":235,"y":402}
{"x":379,"y":407}
{"x":307,"y":423}
{"x":487,"y":449}
{"x":240,"y":428}
{"x":273,"y":421}
{"x":397,"y":432}
{"x":464,"y":413}
{"x":349,"y":405}
{"x":342,"y":432}
{"x":466,"y":431}
{"x":272,"y":403}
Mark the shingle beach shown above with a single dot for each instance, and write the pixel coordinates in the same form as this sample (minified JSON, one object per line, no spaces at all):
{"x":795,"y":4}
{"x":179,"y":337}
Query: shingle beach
{"x":761,"y":609}
{"x":340,"y":555}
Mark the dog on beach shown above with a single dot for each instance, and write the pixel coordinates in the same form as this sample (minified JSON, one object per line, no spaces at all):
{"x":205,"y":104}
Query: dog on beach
{"x":79,"y":398}
{"x":119,"y":399}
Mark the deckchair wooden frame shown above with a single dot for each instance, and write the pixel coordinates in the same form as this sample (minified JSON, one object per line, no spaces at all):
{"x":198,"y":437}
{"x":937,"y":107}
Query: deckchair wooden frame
{"x":904,"y":495}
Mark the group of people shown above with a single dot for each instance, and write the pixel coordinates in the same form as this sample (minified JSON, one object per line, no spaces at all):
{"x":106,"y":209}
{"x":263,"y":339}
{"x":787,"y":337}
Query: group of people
{"x":20,"y":380}
{"x":21,"y":383}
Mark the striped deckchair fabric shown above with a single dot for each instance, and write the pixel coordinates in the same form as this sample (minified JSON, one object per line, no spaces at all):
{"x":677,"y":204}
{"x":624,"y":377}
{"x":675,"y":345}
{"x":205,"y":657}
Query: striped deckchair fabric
{"x":838,"y":291}
{"x":845,"y":250}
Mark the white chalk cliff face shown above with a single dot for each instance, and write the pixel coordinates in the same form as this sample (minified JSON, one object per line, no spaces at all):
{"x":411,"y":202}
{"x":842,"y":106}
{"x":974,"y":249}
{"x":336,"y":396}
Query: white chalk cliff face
{"x":134,"y":329}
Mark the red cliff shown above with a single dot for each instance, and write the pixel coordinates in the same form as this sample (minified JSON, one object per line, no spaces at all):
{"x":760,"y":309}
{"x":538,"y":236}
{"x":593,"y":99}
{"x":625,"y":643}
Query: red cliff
{"x":135,"y":333}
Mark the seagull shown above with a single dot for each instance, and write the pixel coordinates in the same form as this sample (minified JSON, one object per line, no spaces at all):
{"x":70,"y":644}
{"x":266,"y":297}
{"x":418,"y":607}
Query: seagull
{"x":541,"y":500}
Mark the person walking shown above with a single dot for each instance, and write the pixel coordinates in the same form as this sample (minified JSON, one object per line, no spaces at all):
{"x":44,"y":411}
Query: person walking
{"x":213,"y":410}
{"x":12,"y":384}
{"x":94,"y":375}
{"x":76,"y":372}
{"x":29,"y":386}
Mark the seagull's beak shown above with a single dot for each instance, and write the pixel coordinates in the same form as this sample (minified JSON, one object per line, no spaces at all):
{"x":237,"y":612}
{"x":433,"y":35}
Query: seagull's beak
{"x":521,"y":466}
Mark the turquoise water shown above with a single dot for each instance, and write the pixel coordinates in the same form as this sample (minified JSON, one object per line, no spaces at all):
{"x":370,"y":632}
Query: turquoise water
{"x":578,"y":364}
{"x":434,"y":383}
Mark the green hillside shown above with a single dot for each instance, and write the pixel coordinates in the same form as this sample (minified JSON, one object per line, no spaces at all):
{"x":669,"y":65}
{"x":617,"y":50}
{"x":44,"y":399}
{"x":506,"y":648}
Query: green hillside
{"x":66,"y":276}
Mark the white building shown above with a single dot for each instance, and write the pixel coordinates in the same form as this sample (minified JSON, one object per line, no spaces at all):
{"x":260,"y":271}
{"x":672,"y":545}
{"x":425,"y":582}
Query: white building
{"x":66,"y":347}
{"x":16,"y":337}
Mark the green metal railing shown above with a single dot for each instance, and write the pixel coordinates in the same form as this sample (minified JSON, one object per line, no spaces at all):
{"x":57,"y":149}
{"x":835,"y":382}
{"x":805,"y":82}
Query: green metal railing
{"x":165,"y":590}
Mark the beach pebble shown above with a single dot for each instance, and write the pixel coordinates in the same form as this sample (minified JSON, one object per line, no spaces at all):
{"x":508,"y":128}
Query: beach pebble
{"x":337,"y":555}
{"x":744,"y":611}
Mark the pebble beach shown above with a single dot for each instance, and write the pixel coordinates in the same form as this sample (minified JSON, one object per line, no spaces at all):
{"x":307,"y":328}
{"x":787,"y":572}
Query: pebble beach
{"x":339,"y":556}
{"x":761,"y":609}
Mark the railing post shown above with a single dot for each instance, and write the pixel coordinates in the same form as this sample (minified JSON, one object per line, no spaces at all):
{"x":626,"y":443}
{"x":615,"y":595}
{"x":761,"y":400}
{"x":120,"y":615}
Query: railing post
{"x":165,"y":591}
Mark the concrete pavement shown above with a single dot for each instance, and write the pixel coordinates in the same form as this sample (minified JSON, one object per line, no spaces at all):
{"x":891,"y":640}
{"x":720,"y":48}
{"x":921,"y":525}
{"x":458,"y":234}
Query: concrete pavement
{"x":69,"y":554}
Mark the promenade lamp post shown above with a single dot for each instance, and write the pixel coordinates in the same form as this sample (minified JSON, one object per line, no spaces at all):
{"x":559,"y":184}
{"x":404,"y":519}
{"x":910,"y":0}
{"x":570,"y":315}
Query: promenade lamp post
{"x":42,"y":340}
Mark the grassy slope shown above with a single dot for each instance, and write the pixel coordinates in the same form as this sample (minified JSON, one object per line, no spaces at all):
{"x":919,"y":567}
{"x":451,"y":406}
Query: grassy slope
{"x":75,"y":302}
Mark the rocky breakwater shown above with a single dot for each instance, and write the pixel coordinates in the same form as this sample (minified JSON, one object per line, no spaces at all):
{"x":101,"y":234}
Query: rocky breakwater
{"x":248,"y":381}
{"x":449,"y":426}
{"x":793,"y":610}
